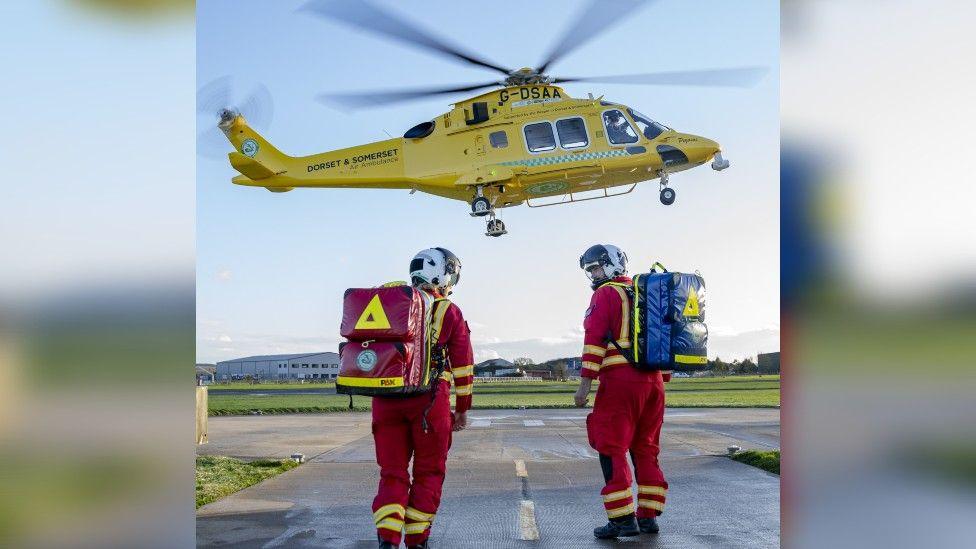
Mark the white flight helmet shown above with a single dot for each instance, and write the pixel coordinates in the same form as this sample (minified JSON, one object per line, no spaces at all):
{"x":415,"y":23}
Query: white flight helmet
{"x":611,"y":258}
{"x":436,"y":268}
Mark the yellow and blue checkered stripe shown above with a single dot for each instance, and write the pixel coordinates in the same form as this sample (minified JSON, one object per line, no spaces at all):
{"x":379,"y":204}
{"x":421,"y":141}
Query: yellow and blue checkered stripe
{"x":549,"y":160}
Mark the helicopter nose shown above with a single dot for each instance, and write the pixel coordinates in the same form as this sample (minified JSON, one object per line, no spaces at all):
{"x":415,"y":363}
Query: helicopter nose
{"x":698,"y":149}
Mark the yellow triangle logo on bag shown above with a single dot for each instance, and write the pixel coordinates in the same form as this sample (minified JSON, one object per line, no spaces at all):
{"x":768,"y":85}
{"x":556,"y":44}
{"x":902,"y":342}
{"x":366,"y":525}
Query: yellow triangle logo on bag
{"x":373,"y":317}
{"x":691,"y":306}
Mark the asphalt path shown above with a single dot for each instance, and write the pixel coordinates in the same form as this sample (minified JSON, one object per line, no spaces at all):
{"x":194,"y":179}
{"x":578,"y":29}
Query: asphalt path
{"x":516,"y":478}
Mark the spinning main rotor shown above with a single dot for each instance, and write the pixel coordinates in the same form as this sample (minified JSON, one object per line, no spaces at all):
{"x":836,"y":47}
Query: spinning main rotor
{"x":594,"y":19}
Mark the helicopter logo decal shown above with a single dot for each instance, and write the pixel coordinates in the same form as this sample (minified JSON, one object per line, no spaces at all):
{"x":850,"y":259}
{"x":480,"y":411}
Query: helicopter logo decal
{"x":249,"y":147}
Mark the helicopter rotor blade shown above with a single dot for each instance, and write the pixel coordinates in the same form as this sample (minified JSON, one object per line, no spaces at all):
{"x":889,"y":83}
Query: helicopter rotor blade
{"x":368,"y":17}
{"x":740,"y":77}
{"x":592,"y":21}
{"x":215,"y":95}
{"x":258,"y":108}
{"x":213,"y":144}
{"x":359,"y":100}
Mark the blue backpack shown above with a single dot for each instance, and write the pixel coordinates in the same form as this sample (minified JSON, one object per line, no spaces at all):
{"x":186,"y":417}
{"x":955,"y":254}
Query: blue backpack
{"x":667,"y":322}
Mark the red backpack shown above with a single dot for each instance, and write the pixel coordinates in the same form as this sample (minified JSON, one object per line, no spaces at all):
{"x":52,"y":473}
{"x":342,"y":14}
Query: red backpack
{"x":392,"y":334}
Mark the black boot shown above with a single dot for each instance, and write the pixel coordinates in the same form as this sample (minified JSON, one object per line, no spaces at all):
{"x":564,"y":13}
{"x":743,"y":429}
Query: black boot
{"x":647,"y":525}
{"x":419,"y":546}
{"x":385,"y":544}
{"x":624,"y":526}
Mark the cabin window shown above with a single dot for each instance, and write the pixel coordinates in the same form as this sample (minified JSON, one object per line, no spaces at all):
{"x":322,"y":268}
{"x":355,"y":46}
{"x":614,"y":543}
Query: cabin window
{"x":572,"y":133}
{"x":648,"y":127}
{"x":539,"y":137}
{"x":619,"y":130}
{"x":499,"y":140}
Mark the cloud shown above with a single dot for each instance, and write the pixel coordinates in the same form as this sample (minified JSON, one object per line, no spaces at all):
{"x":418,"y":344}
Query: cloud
{"x":214,"y":348}
{"x":224,"y":275}
{"x":481,"y":355}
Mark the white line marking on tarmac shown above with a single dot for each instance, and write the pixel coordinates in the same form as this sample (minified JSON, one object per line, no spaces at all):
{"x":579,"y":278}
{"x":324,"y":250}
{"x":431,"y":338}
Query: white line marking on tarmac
{"x":533,"y":423}
{"x":481,"y":423}
{"x":520,"y":470}
{"x":528,"y":530}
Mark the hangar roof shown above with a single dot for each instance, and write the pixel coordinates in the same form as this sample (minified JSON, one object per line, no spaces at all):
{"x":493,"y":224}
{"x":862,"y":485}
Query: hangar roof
{"x":260,"y":358}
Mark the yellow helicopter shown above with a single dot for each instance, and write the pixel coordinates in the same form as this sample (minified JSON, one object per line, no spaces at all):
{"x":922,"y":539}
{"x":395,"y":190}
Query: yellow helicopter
{"x":528,"y":142}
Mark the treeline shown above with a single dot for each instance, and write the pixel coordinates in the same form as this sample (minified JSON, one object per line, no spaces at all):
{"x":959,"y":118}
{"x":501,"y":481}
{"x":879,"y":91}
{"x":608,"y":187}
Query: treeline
{"x":768,"y":364}
{"x":719,"y":367}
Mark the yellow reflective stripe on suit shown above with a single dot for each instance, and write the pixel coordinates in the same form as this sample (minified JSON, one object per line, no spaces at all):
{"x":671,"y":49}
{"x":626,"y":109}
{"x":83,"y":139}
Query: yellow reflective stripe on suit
{"x":592,"y":366}
{"x":651,"y":504}
{"x":614,"y":496}
{"x":393,"y":524}
{"x":595,"y":350}
{"x":652,"y":490}
{"x":416,"y":514}
{"x":391,"y":509}
{"x":463,"y":371}
{"x":614,"y":360}
{"x":621,"y":511}
{"x":463,"y":390}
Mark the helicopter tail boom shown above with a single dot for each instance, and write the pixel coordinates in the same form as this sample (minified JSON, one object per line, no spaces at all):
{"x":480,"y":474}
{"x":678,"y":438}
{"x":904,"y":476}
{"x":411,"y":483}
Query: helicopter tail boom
{"x":254,"y":156}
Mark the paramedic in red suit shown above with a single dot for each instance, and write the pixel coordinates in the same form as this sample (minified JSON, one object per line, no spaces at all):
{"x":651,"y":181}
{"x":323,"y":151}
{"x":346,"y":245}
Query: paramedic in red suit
{"x":629,"y":406}
{"x":420,"y":426}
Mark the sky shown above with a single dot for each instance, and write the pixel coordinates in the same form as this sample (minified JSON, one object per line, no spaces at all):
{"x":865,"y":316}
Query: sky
{"x":272,"y":268}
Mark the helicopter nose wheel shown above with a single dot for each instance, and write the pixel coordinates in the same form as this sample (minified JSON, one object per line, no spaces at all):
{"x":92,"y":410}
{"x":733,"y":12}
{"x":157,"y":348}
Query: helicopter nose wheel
{"x":667,"y":196}
{"x":480,"y":207}
{"x":667,"y":193}
{"x":496,"y":227}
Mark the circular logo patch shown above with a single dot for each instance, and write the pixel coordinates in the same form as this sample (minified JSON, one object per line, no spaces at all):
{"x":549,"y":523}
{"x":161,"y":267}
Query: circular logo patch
{"x":249,"y":147}
{"x":547,"y":188}
{"x":366,"y":360}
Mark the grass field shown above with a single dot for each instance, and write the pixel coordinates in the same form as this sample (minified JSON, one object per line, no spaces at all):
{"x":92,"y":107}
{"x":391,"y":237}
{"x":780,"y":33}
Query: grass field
{"x":240,"y":385}
{"x":765,"y":460}
{"x":219,"y":476}
{"x":719,"y":392}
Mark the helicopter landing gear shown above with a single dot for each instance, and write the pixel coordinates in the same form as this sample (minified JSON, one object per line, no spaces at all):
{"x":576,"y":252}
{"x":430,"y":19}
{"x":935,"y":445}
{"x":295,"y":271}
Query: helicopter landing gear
{"x":496,"y":227}
{"x":667,"y":196}
{"x":667,"y":193}
{"x":480,"y":207}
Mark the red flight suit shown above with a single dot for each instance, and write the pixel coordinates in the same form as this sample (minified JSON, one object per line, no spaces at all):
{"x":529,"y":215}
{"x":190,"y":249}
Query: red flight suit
{"x":628,"y":410}
{"x":398,"y":431}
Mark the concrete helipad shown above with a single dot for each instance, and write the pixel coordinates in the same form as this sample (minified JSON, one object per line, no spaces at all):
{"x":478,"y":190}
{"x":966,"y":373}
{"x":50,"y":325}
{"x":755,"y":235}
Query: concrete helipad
{"x":712,"y":502}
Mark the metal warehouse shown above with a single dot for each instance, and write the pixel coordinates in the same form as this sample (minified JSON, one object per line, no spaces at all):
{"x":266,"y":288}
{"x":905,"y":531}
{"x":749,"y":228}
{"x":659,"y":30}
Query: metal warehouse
{"x":295,"y":366}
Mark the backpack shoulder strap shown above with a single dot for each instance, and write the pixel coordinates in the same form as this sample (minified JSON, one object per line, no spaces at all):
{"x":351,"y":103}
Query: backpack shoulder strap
{"x":627,"y":295}
{"x":438,"y":311}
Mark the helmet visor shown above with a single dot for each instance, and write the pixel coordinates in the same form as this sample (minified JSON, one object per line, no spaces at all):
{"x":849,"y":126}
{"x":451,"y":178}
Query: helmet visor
{"x":594,"y":271}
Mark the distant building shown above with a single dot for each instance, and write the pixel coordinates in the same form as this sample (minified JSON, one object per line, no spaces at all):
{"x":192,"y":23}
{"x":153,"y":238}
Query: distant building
{"x":205,"y":373}
{"x":495,"y":367}
{"x":294,"y":366}
{"x":768,"y":363}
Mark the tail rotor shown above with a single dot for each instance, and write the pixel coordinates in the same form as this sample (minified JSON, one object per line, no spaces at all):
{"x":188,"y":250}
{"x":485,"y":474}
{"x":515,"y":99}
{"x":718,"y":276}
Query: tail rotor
{"x":219,"y":103}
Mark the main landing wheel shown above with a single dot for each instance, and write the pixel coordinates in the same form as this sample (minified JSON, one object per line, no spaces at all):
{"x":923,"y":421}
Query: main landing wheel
{"x":667,"y":196}
{"x":480,"y":206}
